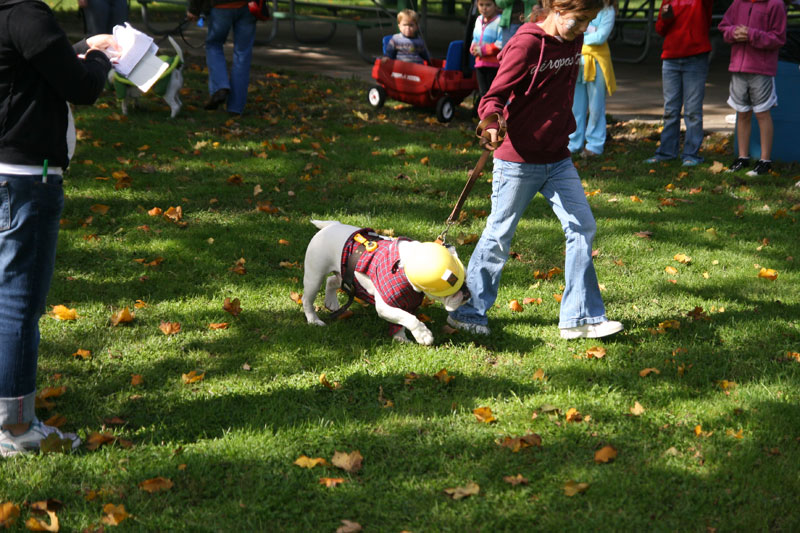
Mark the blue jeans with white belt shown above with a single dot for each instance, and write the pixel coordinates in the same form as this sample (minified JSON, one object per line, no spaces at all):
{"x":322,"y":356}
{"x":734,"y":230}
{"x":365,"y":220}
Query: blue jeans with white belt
{"x":30,"y":209}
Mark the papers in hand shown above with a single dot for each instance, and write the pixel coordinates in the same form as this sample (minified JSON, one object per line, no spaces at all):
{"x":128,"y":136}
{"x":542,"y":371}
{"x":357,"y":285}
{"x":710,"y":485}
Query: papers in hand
{"x":137,"y":60}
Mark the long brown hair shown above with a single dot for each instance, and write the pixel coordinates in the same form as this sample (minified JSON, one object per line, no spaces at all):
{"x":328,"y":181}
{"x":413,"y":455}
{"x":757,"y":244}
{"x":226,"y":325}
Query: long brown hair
{"x":541,"y":10}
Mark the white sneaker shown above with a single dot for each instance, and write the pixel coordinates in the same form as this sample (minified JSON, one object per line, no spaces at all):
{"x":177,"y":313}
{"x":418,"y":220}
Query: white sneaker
{"x":29,"y":441}
{"x":477,"y":329}
{"x":592,"y":331}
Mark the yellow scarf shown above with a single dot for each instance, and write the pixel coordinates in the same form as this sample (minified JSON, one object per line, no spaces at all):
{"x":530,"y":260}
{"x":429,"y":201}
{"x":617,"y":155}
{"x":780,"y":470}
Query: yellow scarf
{"x":601,"y":54}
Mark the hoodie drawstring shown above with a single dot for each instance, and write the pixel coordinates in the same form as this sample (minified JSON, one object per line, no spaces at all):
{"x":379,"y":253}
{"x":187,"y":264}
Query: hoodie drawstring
{"x":535,"y":72}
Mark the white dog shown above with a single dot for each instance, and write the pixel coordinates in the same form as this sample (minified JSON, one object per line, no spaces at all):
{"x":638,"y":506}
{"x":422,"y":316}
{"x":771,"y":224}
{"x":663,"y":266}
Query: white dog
{"x":168,"y":86}
{"x":395,"y":274}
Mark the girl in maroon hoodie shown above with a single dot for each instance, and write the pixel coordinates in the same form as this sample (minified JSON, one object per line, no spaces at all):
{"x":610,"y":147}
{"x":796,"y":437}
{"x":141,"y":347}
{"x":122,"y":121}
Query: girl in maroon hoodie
{"x":533,"y":91}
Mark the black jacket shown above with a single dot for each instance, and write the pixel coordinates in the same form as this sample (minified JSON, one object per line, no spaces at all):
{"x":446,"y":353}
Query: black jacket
{"x":39,"y":73}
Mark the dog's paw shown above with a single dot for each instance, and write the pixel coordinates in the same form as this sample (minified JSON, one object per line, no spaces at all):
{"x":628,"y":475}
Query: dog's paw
{"x":400,"y":336}
{"x":422,"y":335}
{"x":332,"y":303}
{"x":315,"y":320}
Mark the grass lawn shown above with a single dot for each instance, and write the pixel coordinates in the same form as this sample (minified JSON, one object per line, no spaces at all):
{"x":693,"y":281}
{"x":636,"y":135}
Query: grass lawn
{"x":714,"y":445}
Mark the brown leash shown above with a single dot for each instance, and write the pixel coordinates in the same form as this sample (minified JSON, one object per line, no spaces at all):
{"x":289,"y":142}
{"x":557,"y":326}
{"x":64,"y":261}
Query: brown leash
{"x":488,"y":147}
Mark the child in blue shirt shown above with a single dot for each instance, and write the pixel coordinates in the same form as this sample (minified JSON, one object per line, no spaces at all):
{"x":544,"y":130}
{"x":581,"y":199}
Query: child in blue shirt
{"x":407,"y":45}
{"x":487,"y":40}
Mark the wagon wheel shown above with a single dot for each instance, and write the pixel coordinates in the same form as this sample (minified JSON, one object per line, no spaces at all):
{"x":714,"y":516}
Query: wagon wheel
{"x":445,"y":109}
{"x":376,"y":96}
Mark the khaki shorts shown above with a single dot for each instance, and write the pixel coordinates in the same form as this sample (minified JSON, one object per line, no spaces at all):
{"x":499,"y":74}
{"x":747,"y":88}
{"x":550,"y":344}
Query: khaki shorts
{"x":752,"y":92}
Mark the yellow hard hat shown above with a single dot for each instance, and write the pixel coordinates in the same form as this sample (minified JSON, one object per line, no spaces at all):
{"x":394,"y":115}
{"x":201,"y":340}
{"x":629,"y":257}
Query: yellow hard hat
{"x":434,"y":269}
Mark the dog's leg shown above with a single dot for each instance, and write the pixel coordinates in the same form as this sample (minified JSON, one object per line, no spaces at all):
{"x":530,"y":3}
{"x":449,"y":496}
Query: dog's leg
{"x":331,"y":286}
{"x":394,"y":315}
{"x":312,"y":280}
{"x":172,"y":95}
{"x":400,"y":336}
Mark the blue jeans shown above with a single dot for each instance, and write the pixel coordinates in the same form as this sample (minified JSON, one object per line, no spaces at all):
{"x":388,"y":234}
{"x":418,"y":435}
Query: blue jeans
{"x":590,"y":99}
{"x":103,"y":15}
{"x":509,"y":32}
{"x":244,"y":33}
{"x":684,"y":85}
{"x":513,"y":187}
{"x":29,"y":220}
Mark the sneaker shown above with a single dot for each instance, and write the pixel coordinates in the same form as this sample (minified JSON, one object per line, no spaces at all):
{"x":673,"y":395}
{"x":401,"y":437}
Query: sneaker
{"x":761,"y":168}
{"x":29,"y":441}
{"x":655,"y":159}
{"x":588,"y":154}
{"x":690,"y":162}
{"x":217,"y":99}
{"x":476,"y":329}
{"x":739,"y":164}
{"x":592,"y":331}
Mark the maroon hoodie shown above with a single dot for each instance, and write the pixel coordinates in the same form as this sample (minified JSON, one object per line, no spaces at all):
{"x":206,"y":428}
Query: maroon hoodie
{"x":533,"y":90}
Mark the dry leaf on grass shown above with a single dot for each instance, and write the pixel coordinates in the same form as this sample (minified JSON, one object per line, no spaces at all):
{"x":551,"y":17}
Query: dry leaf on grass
{"x":515,"y":444}
{"x":331,"y":481}
{"x":484,"y":414}
{"x":307,"y":462}
{"x":232,"y":306}
{"x":156,"y":484}
{"x":443,"y":377}
{"x":515,"y":480}
{"x":8,"y":514}
{"x":637,"y":409}
{"x":349,"y":526}
{"x":647,"y":371}
{"x":571,"y":488}
{"x":170,"y":328}
{"x":83,"y":354}
{"x":61,"y":312}
{"x":606,"y":454}
{"x":114,"y":514}
{"x":349,"y":462}
{"x":122,"y":316}
{"x":192,"y":377}
{"x":458,"y":493}
{"x":595,"y":352}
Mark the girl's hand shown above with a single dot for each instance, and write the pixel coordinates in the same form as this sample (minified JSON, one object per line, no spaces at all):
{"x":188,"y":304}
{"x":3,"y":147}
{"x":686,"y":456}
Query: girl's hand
{"x":740,"y":33}
{"x":492,"y":139}
{"x":103,"y":42}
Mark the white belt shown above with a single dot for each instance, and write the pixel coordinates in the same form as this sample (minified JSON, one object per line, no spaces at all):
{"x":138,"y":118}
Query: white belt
{"x":28,"y":170}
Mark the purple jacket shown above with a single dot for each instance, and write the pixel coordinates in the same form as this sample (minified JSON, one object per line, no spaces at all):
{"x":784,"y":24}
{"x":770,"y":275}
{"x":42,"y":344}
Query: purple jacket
{"x":766,"y":23}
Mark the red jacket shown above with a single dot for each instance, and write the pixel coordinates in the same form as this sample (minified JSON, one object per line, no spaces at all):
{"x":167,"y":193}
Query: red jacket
{"x":533,"y":91}
{"x":686,"y":33}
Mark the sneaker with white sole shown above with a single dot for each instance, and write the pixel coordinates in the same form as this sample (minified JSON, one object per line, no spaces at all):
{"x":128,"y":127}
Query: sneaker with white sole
{"x":592,"y":331}
{"x":476,"y":329}
{"x":31,"y":439}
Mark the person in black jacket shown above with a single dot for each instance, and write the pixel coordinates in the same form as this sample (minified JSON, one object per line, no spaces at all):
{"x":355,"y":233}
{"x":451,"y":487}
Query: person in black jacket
{"x":39,"y":73}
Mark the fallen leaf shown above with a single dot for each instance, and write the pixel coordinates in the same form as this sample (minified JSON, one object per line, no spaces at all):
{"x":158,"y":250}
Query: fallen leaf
{"x":61,"y":312}
{"x":34,"y":524}
{"x":8,"y":514}
{"x":136,"y":380}
{"x":735,"y":434}
{"x":324,"y":381}
{"x":458,"y":493}
{"x":238,"y":267}
{"x":573,"y":415}
{"x":716,"y":167}
{"x":515,"y":480}
{"x":192,"y":377}
{"x":644,"y":234}
{"x":122,"y":316}
{"x":637,"y":409}
{"x":571,"y":488}
{"x":83,"y":354}
{"x":349,"y":462}
{"x":155,"y":212}
{"x":170,"y":328}
{"x":671,"y":270}
{"x":768,"y":273}
{"x":115,"y":514}
{"x":539,"y":375}
{"x":174,"y":213}
{"x":595,"y":352}
{"x":331,"y":481}
{"x":528,"y":301}
{"x":296,"y":297}
{"x":515,"y":444}
{"x":647,"y":371}
{"x":232,"y":306}
{"x":308,"y":462}
{"x":349,"y":526}
{"x":606,"y":454}
{"x":484,"y":414}
{"x":515,"y":306}
{"x":443,"y":377}
{"x":100,"y":209}
{"x":55,"y":444}
{"x":95,"y":440}
{"x":156,"y":484}
{"x":56,"y":421}
{"x":682,"y":258}
{"x":218,"y":325}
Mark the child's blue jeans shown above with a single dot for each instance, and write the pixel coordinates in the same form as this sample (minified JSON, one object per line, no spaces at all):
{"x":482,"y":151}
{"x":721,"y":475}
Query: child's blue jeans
{"x":513,"y":187}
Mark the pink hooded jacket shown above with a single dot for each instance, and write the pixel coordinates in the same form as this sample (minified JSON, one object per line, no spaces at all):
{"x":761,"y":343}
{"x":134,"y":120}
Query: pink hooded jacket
{"x":766,"y":23}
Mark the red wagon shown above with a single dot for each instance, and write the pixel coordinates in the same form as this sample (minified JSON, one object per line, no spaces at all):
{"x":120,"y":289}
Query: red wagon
{"x":442,"y":84}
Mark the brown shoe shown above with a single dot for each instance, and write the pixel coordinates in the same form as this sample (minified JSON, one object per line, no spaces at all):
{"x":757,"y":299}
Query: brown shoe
{"x":217,"y":99}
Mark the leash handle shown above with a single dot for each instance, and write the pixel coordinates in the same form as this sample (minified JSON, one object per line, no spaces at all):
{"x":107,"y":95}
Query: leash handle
{"x":482,"y":133}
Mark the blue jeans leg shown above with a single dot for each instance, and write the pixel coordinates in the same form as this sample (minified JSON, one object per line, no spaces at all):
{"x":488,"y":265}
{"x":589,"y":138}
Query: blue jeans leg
{"x":672,"y":85}
{"x":580,"y":107}
{"x":244,"y":34}
{"x":513,"y":187}
{"x":29,"y":222}
{"x":695,"y":72}
{"x":220,"y":22}
{"x":596,"y":121}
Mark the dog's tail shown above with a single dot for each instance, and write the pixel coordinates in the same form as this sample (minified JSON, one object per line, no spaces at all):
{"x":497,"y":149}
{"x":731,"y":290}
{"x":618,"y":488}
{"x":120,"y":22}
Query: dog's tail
{"x":323,"y":223}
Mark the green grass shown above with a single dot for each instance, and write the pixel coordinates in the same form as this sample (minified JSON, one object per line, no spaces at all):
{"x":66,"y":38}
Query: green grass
{"x":238,"y":432}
